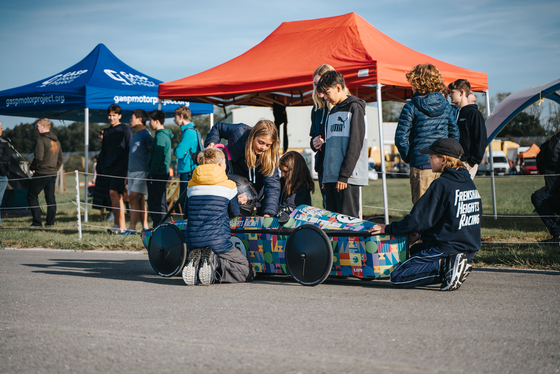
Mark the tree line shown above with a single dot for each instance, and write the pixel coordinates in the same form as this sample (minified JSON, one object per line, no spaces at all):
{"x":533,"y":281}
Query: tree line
{"x":72,"y":136}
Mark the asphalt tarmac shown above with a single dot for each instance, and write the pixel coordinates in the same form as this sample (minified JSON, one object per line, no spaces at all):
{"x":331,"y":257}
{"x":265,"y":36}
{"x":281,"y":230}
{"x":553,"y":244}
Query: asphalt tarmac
{"x":101,"y":312}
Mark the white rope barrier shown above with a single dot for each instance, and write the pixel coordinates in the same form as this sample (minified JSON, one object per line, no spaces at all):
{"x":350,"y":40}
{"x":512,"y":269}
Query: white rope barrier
{"x":39,"y":176}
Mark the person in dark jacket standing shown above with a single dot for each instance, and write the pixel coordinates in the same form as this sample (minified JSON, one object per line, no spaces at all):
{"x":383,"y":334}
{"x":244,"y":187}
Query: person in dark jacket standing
{"x":212,"y":202}
{"x":5,"y":159}
{"x":345,"y":167}
{"x":158,"y":167}
{"x":254,"y":155}
{"x":424,"y":119}
{"x":472,"y":128}
{"x":546,"y":200}
{"x":45,"y":165}
{"x":319,"y":116}
{"x":446,"y":218}
{"x":113,"y":162}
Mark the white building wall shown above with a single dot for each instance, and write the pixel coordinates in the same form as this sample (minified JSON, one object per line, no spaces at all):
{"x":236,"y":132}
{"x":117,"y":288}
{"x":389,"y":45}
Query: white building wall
{"x":299,"y":123}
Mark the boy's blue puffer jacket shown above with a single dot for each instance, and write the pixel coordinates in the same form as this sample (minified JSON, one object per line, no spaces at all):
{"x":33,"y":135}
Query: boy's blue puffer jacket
{"x":237,"y":135}
{"x":424,"y":120}
{"x":212,"y":202}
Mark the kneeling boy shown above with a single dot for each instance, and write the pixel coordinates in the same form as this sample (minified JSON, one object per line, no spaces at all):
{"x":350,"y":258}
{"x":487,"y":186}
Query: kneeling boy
{"x":212,"y":200}
{"x":447,"y":217}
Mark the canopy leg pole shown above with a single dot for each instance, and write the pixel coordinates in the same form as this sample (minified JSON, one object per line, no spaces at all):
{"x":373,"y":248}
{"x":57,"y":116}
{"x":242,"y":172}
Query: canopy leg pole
{"x":78,"y":204}
{"x":383,"y":173}
{"x":492,"y":181}
{"x":211,"y":118}
{"x":86,"y":163}
{"x":159,"y":104}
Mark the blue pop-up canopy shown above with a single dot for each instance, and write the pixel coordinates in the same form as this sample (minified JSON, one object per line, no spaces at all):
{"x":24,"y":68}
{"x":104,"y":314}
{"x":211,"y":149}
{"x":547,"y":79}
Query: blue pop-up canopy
{"x":83,"y":92}
{"x":96,"y":82}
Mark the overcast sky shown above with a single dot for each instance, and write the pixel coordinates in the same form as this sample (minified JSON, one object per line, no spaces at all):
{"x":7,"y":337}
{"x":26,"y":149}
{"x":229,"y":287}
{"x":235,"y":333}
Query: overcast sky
{"x":517,"y":43}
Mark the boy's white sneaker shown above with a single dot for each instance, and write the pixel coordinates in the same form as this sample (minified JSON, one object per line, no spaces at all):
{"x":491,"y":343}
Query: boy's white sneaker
{"x":191,"y":269}
{"x":454,"y":269}
{"x":206,"y":269}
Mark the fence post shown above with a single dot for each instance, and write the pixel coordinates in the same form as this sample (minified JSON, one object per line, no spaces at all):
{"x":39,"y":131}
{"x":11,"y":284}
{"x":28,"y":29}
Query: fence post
{"x":78,"y":204}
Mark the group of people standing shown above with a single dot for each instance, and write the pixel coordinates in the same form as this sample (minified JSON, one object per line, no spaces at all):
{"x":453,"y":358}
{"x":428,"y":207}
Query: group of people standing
{"x":139,"y":165}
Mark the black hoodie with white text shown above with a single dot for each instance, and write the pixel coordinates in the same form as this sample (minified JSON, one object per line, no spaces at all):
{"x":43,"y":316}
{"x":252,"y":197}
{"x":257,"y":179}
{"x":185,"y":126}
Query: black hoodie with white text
{"x":447,"y":216}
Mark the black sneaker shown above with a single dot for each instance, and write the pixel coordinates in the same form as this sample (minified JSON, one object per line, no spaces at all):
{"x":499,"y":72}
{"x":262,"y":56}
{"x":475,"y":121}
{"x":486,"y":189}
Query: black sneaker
{"x":252,"y":273}
{"x":454,"y":268}
{"x":206,"y":269}
{"x":191,"y":269}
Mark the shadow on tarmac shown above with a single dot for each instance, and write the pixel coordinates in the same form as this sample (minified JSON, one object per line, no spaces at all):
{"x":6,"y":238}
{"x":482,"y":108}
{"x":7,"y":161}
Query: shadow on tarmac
{"x":521,"y":271}
{"x":141,"y":271}
{"x":129,"y":270}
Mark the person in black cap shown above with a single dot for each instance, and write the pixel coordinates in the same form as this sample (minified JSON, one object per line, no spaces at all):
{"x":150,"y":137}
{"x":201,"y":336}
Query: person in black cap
{"x":446,"y":218}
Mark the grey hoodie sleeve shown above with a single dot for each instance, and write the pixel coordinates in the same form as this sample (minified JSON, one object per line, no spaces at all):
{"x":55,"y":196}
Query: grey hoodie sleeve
{"x":355,"y":143}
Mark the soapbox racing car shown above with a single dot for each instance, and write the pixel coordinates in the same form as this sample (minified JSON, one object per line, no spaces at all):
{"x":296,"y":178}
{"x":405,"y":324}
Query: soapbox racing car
{"x":312,"y":245}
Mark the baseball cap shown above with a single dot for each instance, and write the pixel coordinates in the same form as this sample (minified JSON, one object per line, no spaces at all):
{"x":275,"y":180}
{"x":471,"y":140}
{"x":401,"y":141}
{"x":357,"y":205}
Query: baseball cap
{"x":446,"y":146}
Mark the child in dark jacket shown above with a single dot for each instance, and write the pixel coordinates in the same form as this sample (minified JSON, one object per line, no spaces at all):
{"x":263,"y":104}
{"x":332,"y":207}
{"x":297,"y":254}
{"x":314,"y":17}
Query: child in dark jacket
{"x":296,"y":182}
{"x":447,"y":218}
{"x":212,"y":202}
{"x":254,"y":155}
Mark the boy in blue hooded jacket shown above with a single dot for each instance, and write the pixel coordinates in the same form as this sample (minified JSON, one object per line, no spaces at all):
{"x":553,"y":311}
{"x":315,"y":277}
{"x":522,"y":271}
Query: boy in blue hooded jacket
{"x":424,"y":119}
{"x":212,"y":202}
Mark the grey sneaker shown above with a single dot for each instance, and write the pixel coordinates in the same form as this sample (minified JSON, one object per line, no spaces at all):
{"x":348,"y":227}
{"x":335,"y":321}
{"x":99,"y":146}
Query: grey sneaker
{"x":206,"y":271}
{"x":190,"y":270}
{"x":454,"y":269}
{"x":115,"y":230}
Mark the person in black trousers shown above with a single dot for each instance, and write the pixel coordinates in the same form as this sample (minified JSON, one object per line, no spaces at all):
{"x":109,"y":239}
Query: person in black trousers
{"x":45,"y":165}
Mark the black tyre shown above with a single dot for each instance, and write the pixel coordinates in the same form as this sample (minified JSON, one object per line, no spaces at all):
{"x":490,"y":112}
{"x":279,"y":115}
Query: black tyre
{"x":309,"y":255}
{"x":167,"y":250}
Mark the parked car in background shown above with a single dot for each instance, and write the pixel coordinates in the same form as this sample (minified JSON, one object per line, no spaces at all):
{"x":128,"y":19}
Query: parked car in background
{"x":501,"y":165}
{"x":528,"y":166}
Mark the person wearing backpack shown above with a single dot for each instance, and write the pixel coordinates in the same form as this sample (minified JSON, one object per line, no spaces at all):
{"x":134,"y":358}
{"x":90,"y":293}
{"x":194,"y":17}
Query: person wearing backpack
{"x":189,"y":145}
{"x":546,"y":200}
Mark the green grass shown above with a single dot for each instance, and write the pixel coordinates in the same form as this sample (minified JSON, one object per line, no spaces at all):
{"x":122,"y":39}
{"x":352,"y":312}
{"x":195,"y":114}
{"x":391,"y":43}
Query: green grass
{"x":503,"y":243}
{"x":503,"y":238}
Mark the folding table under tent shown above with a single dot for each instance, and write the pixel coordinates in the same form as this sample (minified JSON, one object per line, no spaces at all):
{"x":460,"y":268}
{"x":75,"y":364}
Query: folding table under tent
{"x":84,"y":91}
{"x":278,"y":71}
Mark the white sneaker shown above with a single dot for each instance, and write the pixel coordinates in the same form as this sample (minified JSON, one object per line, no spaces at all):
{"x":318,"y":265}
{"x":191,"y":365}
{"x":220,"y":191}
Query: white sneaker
{"x":206,"y":270}
{"x":191,"y":268}
{"x":454,"y":269}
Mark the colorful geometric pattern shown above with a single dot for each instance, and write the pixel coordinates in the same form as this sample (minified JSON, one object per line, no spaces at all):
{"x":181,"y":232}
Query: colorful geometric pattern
{"x":372,"y":257}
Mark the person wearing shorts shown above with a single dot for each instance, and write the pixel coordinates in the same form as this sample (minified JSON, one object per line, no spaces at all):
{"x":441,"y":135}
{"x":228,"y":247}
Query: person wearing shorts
{"x":113,"y":162}
{"x":138,"y":171}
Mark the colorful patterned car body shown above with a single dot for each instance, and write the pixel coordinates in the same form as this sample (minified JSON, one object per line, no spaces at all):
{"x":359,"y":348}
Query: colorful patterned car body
{"x":263,"y":241}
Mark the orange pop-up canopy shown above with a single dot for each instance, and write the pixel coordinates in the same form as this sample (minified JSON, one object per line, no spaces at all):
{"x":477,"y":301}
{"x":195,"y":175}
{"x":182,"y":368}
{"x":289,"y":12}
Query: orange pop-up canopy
{"x":279,"y":69}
